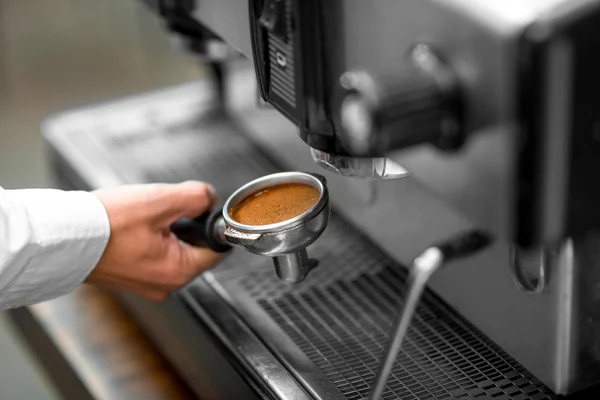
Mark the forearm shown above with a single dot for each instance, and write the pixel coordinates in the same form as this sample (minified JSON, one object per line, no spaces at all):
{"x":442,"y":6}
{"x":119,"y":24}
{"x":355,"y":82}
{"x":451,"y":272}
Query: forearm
{"x":50,"y":241}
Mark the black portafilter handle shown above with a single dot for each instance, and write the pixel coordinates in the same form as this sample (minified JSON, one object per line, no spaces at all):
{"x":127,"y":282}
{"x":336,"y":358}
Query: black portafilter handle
{"x":200,"y":231}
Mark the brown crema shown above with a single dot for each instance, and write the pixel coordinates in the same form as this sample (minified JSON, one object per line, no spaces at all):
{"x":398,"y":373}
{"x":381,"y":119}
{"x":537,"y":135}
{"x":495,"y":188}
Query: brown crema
{"x":276,"y":204}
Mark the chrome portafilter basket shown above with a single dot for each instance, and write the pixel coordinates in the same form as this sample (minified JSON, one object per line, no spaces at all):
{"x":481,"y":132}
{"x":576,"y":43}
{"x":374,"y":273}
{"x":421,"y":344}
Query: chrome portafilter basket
{"x":285,"y":241}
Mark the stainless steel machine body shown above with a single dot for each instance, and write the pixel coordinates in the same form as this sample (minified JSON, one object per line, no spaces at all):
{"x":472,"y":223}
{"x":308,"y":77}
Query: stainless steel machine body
{"x":526,"y":171}
{"x":317,"y":336}
{"x":517,"y":66}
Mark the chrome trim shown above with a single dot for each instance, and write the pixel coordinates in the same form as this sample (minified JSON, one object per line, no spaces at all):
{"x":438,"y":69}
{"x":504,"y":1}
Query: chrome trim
{"x":268,"y":181}
{"x":564,"y":323}
{"x":282,"y":346}
{"x":237,"y":337}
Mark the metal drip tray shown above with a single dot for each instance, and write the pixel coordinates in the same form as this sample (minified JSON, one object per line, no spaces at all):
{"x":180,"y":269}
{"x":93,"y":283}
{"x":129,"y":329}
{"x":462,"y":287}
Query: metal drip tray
{"x":340,"y":317}
{"x":329,"y":331}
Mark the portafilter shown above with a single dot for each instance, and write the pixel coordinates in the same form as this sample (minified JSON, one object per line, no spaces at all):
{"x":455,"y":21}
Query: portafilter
{"x":285,"y":241}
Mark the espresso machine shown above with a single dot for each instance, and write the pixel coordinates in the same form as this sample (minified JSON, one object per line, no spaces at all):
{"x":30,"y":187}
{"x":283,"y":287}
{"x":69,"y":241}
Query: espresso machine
{"x":429,"y":119}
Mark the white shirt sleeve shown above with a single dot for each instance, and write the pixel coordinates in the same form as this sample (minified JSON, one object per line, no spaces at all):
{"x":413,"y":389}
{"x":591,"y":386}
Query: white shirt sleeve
{"x":50,"y":240}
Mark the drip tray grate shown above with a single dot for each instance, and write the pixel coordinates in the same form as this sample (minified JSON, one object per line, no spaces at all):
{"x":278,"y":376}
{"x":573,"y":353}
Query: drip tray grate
{"x":342,"y":328}
{"x":341,"y":316}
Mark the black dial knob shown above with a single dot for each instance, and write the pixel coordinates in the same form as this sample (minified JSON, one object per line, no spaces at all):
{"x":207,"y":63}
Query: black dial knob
{"x":418,"y":104}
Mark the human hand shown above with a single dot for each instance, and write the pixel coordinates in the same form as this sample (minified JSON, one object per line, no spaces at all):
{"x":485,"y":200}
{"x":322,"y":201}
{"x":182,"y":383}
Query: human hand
{"x":143,"y":256}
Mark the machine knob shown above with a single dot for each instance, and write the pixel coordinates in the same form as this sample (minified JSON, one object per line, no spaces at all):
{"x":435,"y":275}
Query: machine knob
{"x":419,"y":104}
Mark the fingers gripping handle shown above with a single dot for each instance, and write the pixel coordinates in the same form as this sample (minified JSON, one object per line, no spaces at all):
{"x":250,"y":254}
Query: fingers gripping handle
{"x":191,"y":231}
{"x":200,"y":231}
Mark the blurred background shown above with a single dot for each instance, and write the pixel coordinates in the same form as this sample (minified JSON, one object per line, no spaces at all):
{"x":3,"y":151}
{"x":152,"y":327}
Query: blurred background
{"x":55,"y":55}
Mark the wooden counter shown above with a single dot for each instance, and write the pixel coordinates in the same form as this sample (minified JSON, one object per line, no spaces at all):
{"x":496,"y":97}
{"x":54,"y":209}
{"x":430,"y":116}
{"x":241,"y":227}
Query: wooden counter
{"x":92,"y":349}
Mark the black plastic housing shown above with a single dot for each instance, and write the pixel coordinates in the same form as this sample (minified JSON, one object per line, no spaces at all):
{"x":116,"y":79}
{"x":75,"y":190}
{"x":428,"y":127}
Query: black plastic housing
{"x":558,"y":169}
{"x":294,"y":59}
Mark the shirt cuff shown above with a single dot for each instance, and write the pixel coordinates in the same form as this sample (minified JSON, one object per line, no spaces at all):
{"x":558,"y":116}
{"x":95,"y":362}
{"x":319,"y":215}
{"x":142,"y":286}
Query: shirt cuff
{"x":70,"y":230}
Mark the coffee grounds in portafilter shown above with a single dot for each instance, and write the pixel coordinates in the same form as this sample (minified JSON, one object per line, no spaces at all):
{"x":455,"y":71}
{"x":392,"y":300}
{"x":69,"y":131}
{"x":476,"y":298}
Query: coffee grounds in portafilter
{"x":276,"y":204}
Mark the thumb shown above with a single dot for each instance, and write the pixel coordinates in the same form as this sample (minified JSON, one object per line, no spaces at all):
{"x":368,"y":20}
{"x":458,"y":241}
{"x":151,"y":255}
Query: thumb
{"x":188,"y":199}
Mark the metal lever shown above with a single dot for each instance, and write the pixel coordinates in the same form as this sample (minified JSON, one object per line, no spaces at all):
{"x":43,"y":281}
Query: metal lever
{"x":424,"y":266}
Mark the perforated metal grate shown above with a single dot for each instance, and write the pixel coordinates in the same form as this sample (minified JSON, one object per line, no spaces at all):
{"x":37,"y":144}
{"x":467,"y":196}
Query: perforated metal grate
{"x":341,"y":315}
{"x":343,"y":327}
{"x":341,"y":318}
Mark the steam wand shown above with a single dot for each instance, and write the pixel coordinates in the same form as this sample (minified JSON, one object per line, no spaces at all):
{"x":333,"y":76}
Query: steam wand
{"x":423,"y":267}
